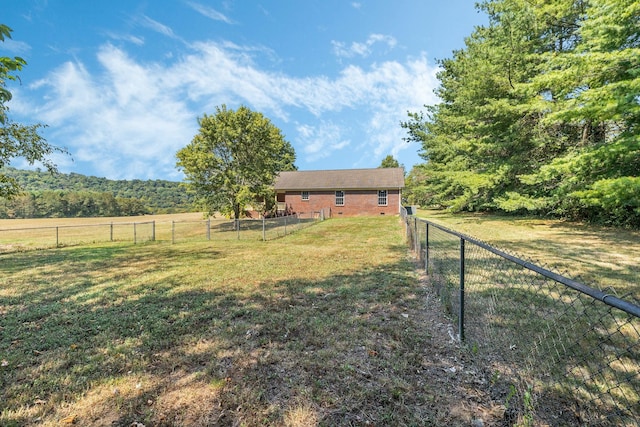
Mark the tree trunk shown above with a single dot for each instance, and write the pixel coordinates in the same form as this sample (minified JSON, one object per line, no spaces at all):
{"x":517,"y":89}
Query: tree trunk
{"x":236,"y":216}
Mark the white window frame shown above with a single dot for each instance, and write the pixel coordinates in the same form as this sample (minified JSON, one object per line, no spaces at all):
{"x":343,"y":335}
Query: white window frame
{"x":339,"y":197}
{"x":383,"y":198}
{"x":304,"y":195}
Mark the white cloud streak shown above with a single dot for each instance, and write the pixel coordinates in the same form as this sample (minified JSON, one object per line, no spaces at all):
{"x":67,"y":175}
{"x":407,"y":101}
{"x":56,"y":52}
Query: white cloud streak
{"x":129,"y":119}
{"x":15,"y":47}
{"x":209,"y":12}
{"x":363,"y":50}
{"x":138,"y":41}
{"x":158,"y":27}
{"x":321,"y":141}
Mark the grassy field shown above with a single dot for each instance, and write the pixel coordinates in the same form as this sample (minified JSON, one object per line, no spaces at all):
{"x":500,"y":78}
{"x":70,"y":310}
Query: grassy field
{"x":327,"y":326}
{"x":43,"y":233}
{"x":598,"y":256}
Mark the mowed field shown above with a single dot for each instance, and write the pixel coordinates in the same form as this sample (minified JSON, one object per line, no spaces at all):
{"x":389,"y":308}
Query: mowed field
{"x":332,"y":325}
{"x":328,"y":326}
{"x":43,"y":233}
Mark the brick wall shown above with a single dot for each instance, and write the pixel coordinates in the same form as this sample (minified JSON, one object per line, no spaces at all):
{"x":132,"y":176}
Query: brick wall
{"x":356,"y":202}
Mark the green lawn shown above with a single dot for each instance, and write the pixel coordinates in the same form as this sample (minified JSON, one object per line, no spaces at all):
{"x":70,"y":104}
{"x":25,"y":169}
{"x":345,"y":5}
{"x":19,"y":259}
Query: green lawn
{"x":323,"y":327}
{"x":329,"y":326}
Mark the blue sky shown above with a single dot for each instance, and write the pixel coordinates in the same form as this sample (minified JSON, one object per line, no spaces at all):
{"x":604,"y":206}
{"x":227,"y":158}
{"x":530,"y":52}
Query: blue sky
{"x":121,"y":83}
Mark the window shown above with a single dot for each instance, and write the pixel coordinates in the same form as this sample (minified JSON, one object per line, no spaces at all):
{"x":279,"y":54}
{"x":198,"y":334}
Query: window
{"x":382,"y":198}
{"x":305,"y":195}
{"x":339,"y":198}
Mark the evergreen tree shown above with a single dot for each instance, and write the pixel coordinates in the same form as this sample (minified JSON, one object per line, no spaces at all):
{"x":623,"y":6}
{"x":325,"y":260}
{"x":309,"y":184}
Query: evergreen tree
{"x":539,"y":113}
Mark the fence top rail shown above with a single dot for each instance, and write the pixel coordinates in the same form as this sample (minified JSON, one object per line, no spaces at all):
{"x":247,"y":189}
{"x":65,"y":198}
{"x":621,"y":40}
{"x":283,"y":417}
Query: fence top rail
{"x":606,"y":298}
{"x":53,"y":227}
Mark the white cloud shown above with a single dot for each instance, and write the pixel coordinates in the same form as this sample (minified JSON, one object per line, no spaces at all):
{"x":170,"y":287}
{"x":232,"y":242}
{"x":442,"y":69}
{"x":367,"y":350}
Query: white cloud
{"x":320,"y":141}
{"x":15,"y":47}
{"x":129,"y":118}
{"x":209,"y":12}
{"x":156,"y":26}
{"x":362,"y":49}
{"x":138,"y":41}
{"x":120,"y":120}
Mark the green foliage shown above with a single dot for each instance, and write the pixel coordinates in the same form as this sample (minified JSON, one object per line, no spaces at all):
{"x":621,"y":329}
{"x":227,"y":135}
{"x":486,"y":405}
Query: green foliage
{"x":539,"y":108}
{"x":8,"y":67}
{"x":17,"y":140}
{"x":611,"y":201}
{"x":390,"y":162}
{"x":513,"y":201}
{"x":76,"y":195}
{"x":60,"y":204}
{"x":233,"y":160}
{"x":417,"y":192}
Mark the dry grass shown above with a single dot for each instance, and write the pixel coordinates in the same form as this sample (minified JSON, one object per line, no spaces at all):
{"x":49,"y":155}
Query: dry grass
{"x":602,"y":257}
{"x":44,"y":233}
{"x":581,"y":355}
{"x":329,"y":326}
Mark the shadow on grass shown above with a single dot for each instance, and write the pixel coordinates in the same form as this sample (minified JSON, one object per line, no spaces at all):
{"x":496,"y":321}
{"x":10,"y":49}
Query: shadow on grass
{"x":111,"y":336}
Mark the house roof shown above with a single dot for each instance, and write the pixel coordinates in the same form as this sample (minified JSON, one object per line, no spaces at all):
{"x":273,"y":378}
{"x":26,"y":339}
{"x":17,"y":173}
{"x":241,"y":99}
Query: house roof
{"x":341,"y":179}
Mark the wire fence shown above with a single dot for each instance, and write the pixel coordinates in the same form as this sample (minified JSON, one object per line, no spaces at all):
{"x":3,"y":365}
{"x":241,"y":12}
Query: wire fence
{"x":29,"y":238}
{"x":243,"y":229}
{"x":557,"y":352}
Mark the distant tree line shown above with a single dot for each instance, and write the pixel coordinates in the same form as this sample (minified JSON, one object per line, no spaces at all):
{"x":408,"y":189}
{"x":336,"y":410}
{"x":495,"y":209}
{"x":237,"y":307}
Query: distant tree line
{"x":540,"y":114}
{"x":75,"y":195}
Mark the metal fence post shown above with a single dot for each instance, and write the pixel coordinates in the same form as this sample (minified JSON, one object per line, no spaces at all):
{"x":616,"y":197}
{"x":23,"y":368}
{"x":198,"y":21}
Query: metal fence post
{"x":57,"y":240}
{"x":416,"y":240}
{"x":264,"y":235}
{"x":153,"y":230}
{"x":111,"y":233}
{"x":173,"y":232}
{"x":285,"y":225}
{"x":237,"y":223}
{"x":461,"y":316}
{"x":208,"y":228}
{"x":426,"y":248}
{"x":135,"y":237}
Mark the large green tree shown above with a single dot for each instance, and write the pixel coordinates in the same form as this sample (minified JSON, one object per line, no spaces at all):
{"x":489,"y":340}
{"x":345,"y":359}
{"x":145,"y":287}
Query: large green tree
{"x":479,"y":138}
{"x":539,"y":113}
{"x":592,"y":94}
{"x":233,"y":160}
{"x":17,"y":140}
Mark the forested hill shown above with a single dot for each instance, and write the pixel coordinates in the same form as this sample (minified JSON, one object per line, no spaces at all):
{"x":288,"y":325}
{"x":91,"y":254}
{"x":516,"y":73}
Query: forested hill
{"x":58,"y":195}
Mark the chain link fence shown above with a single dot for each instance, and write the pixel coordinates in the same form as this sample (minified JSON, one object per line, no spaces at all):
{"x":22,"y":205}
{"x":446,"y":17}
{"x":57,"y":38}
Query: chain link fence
{"x":29,"y":238}
{"x":557,"y":352}
{"x":243,"y":229}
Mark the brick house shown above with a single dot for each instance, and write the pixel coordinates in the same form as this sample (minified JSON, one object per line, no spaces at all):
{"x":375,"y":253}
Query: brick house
{"x":346,"y":192}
